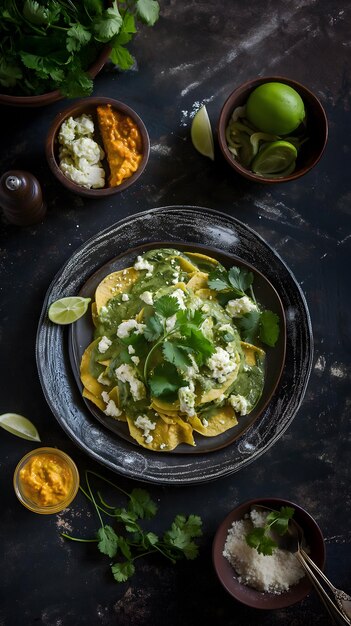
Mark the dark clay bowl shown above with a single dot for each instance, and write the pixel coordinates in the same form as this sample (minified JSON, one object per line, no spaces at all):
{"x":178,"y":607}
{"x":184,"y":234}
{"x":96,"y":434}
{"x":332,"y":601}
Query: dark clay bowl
{"x":53,"y":96}
{"x":88,"y":106}
{"x":251,"y":597}
{"x":316,"y":121}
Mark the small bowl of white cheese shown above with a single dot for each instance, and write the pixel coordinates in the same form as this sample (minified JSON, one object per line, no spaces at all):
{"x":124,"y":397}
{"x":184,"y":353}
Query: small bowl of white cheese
{"x":97,"y":147}
{"x":264,"y":577}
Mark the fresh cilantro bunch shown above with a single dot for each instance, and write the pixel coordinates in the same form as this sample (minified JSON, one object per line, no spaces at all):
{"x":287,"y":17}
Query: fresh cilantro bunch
{"x":182,"y":344}
{"x":127,"y":541}
{"x":262,"y":325}
{"x":260,"y":537}
{"x":50,"y":45}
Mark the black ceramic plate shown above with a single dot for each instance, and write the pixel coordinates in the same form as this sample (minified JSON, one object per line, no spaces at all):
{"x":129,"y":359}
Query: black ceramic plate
{"x":194,"y":226}
{"x":81,"y":335}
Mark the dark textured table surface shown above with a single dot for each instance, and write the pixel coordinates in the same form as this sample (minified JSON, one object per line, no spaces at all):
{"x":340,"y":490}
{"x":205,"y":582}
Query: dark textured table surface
{"x":197,"y":53}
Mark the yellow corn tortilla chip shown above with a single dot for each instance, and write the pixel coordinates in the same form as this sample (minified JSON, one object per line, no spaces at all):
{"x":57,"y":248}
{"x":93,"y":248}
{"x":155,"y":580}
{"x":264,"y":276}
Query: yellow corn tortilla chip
{"x":197,"y":256}
{"x":113,"y":284}
{"x":216,"y":392}
{"x":88,"y":380}
{"x":95,"y":399}
{"x":198,"y":281}
{"x":250,"y":353}
{"x":223,"y":420}
{"x":169,"y":434}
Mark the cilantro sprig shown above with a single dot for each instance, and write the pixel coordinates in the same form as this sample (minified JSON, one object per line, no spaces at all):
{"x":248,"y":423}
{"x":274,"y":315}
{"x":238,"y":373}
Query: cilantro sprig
{"x":181,"y":343}
{"x":127,"y":540}
{"x":46,"y":46}
{"x":260,"y":537}
{"x":262,"y":325}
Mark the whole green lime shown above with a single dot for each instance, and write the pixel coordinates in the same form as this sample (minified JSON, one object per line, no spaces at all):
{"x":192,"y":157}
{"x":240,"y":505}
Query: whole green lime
{"x":275,"y":108}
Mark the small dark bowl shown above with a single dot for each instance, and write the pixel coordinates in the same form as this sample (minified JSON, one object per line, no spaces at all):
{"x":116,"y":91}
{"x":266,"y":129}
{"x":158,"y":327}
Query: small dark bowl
{"x":317,"y":129}
{"x":251,"y":597}
{"x":53,"y":96}
{"x":88,"y":106}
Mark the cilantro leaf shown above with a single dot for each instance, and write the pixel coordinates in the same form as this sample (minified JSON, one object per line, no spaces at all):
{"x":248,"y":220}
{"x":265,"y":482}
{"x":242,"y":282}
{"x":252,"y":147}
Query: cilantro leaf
{"x":181,"y":533}
{"x":141,"y":504}
{"x":258,"y":539}
{"x":122,"y":571}
{"x":108,"y":540}
{"x":94,"y":6}
{"x":108,"y":23}
{"x":124,"y":548}
{"x":218,"y":279}
{"x":10,"y":73}
{"x":240,"y":279}
{"x":77,"y":36}
{"x":166,"y":306}
{"x":121,"y":56}
{"x":128,"y":518}
{"x":165,"y":380}
{"x":35,"y":13}
{"x":176,"y":353}
{"x":151,"y":539}
{"x":269,"y":328}
{"x":198,"y":343}
{"x":249,"y":325}
{"x":148,"y":11}
{"x":154,"y":328}
{"x":279,"y":520}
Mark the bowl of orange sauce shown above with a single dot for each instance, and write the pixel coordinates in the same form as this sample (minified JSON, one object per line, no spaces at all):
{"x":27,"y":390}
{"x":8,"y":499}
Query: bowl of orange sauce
{"x":46,"y":480}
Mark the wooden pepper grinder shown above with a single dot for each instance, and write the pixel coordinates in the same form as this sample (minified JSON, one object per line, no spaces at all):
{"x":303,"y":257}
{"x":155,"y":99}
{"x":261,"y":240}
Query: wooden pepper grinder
{"x":21,"y":198}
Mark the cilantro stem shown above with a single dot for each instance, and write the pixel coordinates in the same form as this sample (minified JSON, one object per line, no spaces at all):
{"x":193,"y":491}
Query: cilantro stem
{"x":158,"y":343}
{"x":108,"y":506}
{"x":92,"y":497}
{"x":78,"y":539}
{"x":109,"y":482}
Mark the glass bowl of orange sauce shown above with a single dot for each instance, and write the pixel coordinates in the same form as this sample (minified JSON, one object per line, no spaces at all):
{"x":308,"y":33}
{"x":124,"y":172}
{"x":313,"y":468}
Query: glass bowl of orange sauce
{"x":46,"y":480}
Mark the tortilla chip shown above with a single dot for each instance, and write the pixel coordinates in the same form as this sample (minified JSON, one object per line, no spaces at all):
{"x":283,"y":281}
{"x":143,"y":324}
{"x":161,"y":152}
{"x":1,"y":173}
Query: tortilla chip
{"x":171,"y":435}
{"x":216,"y":392}
{"x":198,"y":281}
{"x":113,"y":284}
{"x":95,"y":399}
{"x":224,"y":419}
{"x":251,"y":353}
{"x":88,"y":380}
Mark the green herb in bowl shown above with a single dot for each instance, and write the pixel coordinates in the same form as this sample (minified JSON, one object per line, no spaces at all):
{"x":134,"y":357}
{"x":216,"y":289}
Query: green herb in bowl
{"x":50,"y":45}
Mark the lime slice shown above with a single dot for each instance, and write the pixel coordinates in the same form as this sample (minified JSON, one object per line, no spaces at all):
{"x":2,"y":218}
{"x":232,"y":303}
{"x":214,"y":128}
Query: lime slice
{"x":201,"y":133}
{"x":274,"y":158}
{"x":68,"y":310}
{"x":19,"y":426}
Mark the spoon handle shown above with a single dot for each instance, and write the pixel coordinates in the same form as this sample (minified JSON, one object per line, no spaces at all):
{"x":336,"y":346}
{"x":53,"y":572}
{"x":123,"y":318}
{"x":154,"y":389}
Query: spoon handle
{"x":329,"y":604}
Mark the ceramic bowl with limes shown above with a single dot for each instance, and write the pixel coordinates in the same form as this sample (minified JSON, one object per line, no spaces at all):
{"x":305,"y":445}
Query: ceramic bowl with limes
{"x":272,"y":129}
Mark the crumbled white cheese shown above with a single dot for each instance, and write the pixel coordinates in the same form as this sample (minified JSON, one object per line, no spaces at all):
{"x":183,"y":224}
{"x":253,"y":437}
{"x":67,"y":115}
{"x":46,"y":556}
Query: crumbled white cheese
{"x":147,"y":297}
{"x":205,"y":422}
{"x":104,"y":344}
{"x":239,"y":404}
{"x":143,"y":422}
{"x":135,"y":360}
{"x":127,"y":374}
{"x":221,"y":364}
{"x":237,"y":308}
{"x":103,"y":380}
{"x":112,"y":410}
{"x":170,"y":323}
{"x":207,"y":328}
{"x":274,"y":573}
{"x":125,"y":297}
{"x":125,"y":328}
{"x":179,"y":295}
{"x":105,"y":396}
{"x":187,"y":399}
{"x":79,"y":154}
{"x":162,"y":446}
{"x":131,"y":350}
{"x":143,"y":264}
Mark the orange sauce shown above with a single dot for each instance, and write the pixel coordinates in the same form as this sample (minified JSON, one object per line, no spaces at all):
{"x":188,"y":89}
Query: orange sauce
{"x":46,"y":479}
{"x":122,"y":143}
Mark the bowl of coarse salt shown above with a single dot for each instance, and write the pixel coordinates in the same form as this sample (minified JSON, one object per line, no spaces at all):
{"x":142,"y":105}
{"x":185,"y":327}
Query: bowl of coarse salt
{"x":242,"y":559}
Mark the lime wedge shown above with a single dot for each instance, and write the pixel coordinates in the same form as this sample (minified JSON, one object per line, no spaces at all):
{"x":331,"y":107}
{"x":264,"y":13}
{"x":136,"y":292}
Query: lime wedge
{"x":19,"y":426}
{"x":68,"y":310}
{"x":201,"y":133}
{"x":274,"y":158}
